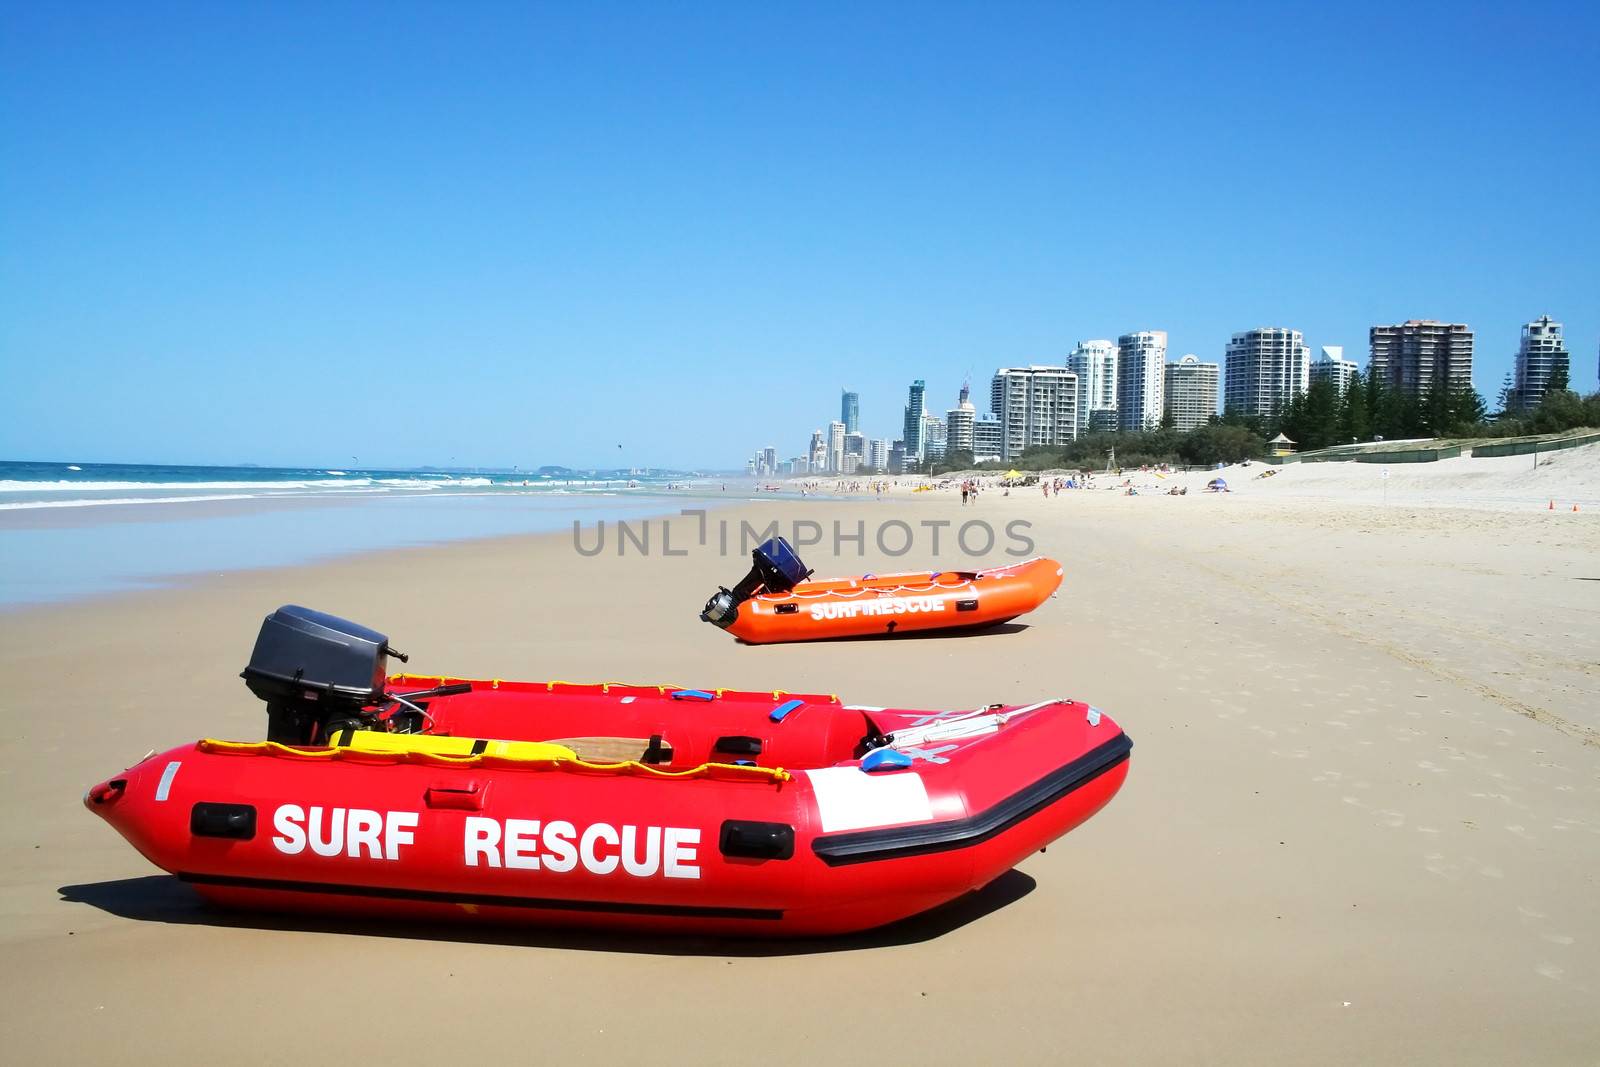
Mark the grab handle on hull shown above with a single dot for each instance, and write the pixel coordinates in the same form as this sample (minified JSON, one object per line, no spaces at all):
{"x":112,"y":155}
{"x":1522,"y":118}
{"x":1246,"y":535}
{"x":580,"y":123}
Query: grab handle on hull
{"x":457,"y":796}
{"x":784,"y":710}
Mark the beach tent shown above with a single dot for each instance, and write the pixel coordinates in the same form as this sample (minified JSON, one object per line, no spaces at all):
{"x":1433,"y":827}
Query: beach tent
{"x":1218,"y":485}
{"x":1013,"y":474}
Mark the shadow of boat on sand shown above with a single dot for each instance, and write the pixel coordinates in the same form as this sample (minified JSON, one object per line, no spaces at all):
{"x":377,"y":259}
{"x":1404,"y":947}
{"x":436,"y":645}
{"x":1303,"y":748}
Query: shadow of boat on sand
{"x":164,"y":899}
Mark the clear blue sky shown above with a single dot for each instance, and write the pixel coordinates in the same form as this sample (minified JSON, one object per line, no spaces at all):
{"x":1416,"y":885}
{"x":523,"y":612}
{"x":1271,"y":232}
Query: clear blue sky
{"x":514,"y":234}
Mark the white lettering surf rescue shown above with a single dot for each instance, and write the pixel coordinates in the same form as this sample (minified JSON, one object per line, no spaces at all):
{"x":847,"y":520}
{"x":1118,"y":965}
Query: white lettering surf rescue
{"x":518,"y":844}
{"x":883,"y":606}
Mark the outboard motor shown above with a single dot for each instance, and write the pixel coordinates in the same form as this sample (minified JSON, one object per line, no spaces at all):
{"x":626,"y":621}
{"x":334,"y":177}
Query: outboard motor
{"x":318,"y":673}
{"x":776,"y":569}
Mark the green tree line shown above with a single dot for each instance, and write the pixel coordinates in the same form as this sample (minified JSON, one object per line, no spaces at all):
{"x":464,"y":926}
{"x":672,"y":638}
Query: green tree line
{"x":1368,"y":410}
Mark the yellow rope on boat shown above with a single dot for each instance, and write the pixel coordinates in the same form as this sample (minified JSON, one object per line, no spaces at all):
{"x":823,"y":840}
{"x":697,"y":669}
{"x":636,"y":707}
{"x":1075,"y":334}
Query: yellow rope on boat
{"x":508,"y":757}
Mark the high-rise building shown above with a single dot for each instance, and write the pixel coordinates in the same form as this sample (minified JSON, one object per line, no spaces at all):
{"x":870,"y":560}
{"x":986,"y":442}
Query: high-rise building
{"x":1266,"y":367}
{"x":818,"y":453}
{"x":1420,"y":355}
{"x":835,"y":447}
{"x":988,"y":445}
{"x":1141,"y":379}
{"x":1038,"y":406}
{"x":1095,"y":364}
{"x":897,"y":457}
{"x":1190,"y":393}
{"x":1541,"y":353}
{"x":1332,"y":366}
{"x":958,"y":422}
{"x":769,"y":459}
{"x":855,"y":444}
{"x":850,"y":411}
{"x":934,"y":436}
{"x":878,"y":453}
{"x":916,"y":408}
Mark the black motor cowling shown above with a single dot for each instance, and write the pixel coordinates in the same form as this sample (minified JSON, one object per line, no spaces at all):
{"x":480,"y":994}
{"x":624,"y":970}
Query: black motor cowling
{"x":776,"y":568}
{"x":313,"y":670}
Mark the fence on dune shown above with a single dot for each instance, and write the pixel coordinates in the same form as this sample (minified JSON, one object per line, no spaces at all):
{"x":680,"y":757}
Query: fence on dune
{"x":1526,"y":447}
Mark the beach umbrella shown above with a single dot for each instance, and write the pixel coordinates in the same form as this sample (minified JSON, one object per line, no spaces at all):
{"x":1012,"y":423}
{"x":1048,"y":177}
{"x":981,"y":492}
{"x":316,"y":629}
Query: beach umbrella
{"x":1013,"y":474}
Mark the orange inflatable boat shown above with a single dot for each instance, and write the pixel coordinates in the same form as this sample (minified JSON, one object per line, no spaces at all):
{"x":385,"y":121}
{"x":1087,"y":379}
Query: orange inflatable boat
{"x":775,"y":601}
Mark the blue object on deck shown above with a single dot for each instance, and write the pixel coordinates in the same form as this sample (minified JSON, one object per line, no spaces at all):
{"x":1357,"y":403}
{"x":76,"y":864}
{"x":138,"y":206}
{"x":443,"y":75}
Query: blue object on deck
{"x":692,"y":694}
{"x":781,"y":712}
{"x":885,"y":759}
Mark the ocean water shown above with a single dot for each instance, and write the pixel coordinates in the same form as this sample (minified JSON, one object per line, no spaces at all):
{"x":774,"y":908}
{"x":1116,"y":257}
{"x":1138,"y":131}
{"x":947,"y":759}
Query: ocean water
{"x":70,"y":530}
{"x":28,"y":485}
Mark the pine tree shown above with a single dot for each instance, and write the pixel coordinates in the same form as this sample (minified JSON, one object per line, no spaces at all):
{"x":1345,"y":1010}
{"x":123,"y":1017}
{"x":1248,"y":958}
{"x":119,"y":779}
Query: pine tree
{"x":1467,"y":410}
{"x":1319,"y":416}
{"x":1507,"y":400}
{"x":1437,"y":411}
{"x":1355,"y":418}
{"x":1378,"y":407}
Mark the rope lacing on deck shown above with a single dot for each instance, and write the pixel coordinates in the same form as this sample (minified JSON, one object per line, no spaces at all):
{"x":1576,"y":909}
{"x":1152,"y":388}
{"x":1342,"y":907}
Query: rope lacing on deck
{"x":487,"y":761}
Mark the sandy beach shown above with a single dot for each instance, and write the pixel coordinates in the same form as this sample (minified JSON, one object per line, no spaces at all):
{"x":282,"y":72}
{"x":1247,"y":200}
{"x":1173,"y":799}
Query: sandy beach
{"x":1362,"y":823}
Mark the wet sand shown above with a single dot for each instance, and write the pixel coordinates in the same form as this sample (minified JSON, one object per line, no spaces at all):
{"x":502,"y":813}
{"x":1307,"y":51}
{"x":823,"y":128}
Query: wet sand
{"x":1362,"y":823}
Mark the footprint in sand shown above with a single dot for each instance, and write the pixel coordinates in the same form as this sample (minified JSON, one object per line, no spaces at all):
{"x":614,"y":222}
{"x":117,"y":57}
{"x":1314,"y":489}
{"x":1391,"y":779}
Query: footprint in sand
{"x":1392,"y":819}
{"x":1550,"y":971}
{"x":1558,"y":939}
{"x":1436,"y":865}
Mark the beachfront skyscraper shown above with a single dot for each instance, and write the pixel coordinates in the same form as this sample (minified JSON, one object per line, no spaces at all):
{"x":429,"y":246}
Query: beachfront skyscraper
{"x":958,"y":422}
{"x":987,"y":442}
{"x":933,"y":436}
{"x":1541,"y":353}
{"x":818,"y":452}
{"x":1266,"y":368}
{"x":1191,"y":393}
{"x":835,"y":447}
{"x":1419,"y":355}
{"x":1141,"y":379}
{"x":1095,"y":364}
{"x":916,"y":408}
{"x":1037,"y":406}
{"x":855,"y":444}
{"x":878,"y":453}
{"x":1332,"y":366}
{"x":850,"y":411}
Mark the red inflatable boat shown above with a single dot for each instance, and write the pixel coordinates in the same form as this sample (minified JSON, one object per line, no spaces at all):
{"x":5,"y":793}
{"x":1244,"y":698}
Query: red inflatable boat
{"x":645,"y":807}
